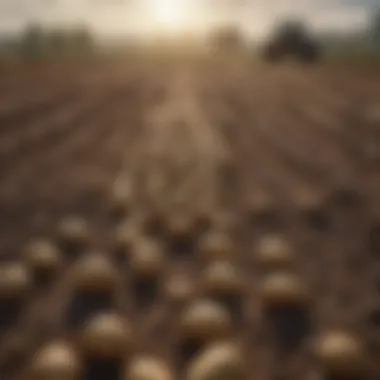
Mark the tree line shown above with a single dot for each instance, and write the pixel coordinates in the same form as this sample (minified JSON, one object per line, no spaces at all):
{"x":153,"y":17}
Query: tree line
{"x":37,"y":41}
{"x":230,"y":37}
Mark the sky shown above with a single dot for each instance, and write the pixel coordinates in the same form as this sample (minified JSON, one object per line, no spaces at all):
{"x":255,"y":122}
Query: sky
{"x":144,"y":16}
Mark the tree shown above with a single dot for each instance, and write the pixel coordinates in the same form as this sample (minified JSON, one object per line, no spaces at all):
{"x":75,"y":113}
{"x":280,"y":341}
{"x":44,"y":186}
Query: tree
{"x":82,"y":40}
{"x":376,"y":28}
{"x":32,"y":40}
{"x":57,"y":41}
{"x":227,"y":37}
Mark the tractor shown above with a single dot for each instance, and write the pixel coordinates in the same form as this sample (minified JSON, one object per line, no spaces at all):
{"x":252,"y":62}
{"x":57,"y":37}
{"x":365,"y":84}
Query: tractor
{"x":292,"y":40}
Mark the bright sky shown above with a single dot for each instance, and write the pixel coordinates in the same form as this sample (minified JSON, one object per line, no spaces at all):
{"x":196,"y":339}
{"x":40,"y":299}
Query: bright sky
{"x":145,"y":16}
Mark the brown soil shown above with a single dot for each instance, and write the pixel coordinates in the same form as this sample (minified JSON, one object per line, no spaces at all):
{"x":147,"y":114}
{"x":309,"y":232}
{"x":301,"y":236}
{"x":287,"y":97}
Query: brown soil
{"x":66,"y":135}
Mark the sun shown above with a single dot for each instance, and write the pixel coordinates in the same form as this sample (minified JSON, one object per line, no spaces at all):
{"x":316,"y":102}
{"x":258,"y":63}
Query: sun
{"x":169,"y":14}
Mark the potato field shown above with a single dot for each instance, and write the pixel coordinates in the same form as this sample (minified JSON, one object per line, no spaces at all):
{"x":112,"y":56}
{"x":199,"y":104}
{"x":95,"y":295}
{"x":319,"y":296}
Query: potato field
{"x":190,"y":220}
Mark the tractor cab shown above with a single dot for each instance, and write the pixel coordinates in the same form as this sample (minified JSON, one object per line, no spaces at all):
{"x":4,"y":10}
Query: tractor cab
{"x":292,"y":40}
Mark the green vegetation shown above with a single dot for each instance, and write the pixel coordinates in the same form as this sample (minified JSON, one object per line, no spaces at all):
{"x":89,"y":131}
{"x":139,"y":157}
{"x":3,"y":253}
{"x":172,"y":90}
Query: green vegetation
{"x":36,"y":42}
{"x":361,"y":46}
{"x":227,"y":38}
{"x":376,"y":29}
{"x":226,"y":42}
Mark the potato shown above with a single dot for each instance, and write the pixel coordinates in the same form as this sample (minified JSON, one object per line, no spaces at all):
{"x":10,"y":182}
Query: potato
{"x":148,"y":368}
{"x":222,"y":278}
{"x":56,"y":361}
{"x":122,"y":194}
{"x":43,"y":256}
{"x":73,"y":231}
{"x":107,"y":336}
{"x":283,"y":289}
{"x":274,"y":252}
{"x":340,"y":353}
{"x":216,"y":245}
{"x":15,"y":280}
{"x":125,"y":235}
{"x":95,"y":273}
{"x":205,"y":320}
{"x":124,"y":238}
{"x":220,"y":361}
{"x":180,"y":227}
{"x":179,"y":289}
{"x":147,"y":258}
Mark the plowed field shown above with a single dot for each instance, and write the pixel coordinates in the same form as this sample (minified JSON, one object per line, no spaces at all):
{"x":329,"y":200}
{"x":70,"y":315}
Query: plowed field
{"x":177,"y":173}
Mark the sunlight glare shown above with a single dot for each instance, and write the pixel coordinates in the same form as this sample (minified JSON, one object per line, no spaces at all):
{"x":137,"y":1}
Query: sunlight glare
{"x":169,"y":14}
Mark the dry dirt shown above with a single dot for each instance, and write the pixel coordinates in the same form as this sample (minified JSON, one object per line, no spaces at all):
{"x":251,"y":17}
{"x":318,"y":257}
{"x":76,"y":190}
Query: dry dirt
{"x":200,"y":136}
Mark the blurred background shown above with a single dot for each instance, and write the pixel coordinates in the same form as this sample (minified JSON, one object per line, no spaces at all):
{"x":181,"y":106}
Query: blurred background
{"x":35,"y":28}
